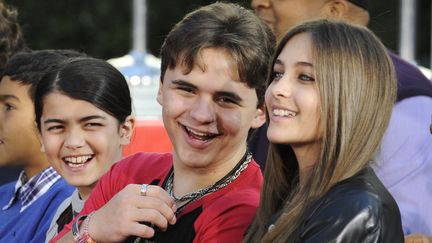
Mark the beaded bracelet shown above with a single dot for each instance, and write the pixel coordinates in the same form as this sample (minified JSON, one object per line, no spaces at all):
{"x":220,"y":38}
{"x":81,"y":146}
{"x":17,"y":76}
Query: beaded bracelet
{"x":85,"y":237}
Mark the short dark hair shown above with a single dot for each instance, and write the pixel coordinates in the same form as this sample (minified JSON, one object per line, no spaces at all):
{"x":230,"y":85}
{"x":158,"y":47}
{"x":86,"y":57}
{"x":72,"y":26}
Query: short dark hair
{"x":222,"y":25}
{"x":89,"y":79}
{"x":28,"y":67}
{"x":11,"y":37}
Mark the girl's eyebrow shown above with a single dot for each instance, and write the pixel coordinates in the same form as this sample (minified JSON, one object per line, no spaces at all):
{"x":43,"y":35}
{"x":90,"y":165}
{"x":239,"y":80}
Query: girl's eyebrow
{"x":300,"y":63}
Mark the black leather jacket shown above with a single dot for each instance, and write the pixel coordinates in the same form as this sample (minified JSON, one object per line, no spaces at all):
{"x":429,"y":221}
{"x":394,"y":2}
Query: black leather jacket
{"x":358,"y":209}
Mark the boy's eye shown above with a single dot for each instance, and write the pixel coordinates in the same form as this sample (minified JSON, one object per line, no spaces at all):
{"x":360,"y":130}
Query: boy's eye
{"x":186,"y":89}
{"x":304,"y":77}
{"x":55,"y":128}
{"x":9,"y":107}
{"x":226,"y":100}
{"x":93,"y":124}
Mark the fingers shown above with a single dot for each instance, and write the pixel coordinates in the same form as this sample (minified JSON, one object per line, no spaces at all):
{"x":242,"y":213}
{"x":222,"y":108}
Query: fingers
{"x":129,"y":210}
{"x":142,"y":230}
{"x":154,"y":191}
{"x":150,"y":208}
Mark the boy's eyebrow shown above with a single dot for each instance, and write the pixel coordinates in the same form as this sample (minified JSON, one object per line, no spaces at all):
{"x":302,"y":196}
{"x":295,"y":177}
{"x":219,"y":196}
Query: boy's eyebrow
{"x":183,"y":83}
{"x":84,"y":119}
{"x":7,"y":96}
{"x":87,"y":118}
{"x":53,"y":120}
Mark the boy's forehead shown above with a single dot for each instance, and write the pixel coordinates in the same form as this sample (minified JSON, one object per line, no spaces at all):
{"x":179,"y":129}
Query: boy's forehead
{"x":218,"y":59}
{"x":12,"y":88}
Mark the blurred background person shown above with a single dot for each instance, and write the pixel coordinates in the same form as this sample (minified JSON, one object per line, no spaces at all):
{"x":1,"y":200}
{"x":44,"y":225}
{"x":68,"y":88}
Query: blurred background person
{"x":27,"y":204}
{"x":11,"y":42}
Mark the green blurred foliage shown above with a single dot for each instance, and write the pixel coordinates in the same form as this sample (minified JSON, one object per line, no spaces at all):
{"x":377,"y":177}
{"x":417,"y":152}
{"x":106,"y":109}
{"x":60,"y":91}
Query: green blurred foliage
{"x":102,"y":28}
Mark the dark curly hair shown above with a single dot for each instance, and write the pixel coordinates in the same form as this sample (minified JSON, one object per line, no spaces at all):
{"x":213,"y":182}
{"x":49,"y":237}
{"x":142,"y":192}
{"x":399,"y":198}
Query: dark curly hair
{"x":11,"y":37}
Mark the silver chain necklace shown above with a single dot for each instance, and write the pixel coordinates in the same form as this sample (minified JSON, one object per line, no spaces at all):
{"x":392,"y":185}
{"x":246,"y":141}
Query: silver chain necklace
{"x":193,"y":196}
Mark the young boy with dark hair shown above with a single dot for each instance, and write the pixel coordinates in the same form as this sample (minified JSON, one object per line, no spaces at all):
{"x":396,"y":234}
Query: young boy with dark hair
{"x":28,"y":204}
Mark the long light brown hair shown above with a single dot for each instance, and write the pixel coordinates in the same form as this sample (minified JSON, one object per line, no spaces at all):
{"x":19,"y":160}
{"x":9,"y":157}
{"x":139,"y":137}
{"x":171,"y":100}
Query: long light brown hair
{"x":356,"y":82}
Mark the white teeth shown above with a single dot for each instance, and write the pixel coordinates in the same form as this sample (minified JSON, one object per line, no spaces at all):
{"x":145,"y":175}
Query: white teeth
{"x":77,"y":160}
{"x":197,"y":133}
{"x":281,"y":112}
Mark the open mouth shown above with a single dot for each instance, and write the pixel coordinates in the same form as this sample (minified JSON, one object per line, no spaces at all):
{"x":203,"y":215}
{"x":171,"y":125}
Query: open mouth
{"x":284,"y":113}
{"x":202,"y":136}
{"x":77,"y":161}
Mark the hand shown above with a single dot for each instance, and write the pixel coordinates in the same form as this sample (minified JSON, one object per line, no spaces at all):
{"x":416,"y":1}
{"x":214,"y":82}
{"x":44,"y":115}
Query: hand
{"x":121,"y":216}
{"x":418,"y":238}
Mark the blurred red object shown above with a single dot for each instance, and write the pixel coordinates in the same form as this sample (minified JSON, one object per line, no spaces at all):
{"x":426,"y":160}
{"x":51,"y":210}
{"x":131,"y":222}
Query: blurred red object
{"x":149,"y":136}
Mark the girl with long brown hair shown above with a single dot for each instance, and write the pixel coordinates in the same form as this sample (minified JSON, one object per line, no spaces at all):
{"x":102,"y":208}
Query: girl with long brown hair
{"x":329,"y":100}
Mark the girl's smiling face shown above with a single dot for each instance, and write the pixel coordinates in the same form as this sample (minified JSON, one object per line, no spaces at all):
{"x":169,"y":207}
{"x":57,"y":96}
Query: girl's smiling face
{"x":292,"y":98}
{"x":80,"y":140}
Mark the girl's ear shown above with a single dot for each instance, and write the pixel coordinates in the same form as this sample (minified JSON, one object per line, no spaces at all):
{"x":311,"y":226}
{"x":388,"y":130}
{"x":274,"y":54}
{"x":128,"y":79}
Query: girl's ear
{"x":260,"y":117}
{"x":126,"y":130}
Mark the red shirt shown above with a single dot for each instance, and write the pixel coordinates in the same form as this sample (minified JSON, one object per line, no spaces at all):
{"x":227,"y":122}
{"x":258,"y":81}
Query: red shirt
{"x":221,"y":216}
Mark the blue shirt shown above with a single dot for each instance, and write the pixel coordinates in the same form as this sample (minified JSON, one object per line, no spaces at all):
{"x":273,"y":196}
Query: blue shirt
{"x":25,"y":215}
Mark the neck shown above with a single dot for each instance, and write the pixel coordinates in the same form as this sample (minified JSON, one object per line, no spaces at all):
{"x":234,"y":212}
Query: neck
{"x":187,"y":179}
{"x":307,"y":156}
{"x":84,"y":191}
{"x":40,"y":163}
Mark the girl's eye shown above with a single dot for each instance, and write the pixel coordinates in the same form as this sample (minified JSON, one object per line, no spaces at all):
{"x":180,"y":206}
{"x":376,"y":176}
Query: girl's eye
{"x":304,"y":77}
{"x":277,"y":75}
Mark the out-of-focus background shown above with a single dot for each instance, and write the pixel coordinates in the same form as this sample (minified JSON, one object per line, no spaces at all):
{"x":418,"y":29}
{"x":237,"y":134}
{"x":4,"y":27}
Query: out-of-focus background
{"x":102,"y":28}
{"x":129,"y":34}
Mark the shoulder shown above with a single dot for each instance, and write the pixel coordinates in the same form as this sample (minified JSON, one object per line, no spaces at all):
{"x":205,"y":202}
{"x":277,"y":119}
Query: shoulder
{"x":145,"y":160}
{"x":140,"y":168}
{"x":56,"y":194}
{"x":6,"y":192}
{"x":360,"y":193}
{"x":411,"y":81}
{"x":357,"y":208}
{"x":62,"y":187}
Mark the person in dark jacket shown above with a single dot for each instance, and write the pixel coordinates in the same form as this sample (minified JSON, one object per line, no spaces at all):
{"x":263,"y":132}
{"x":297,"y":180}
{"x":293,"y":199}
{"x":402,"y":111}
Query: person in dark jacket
{"x":329,"y":101}
{"x":404,"y":161}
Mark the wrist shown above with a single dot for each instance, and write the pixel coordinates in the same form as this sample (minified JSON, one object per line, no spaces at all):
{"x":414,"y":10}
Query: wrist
{"x":80,"y":229}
